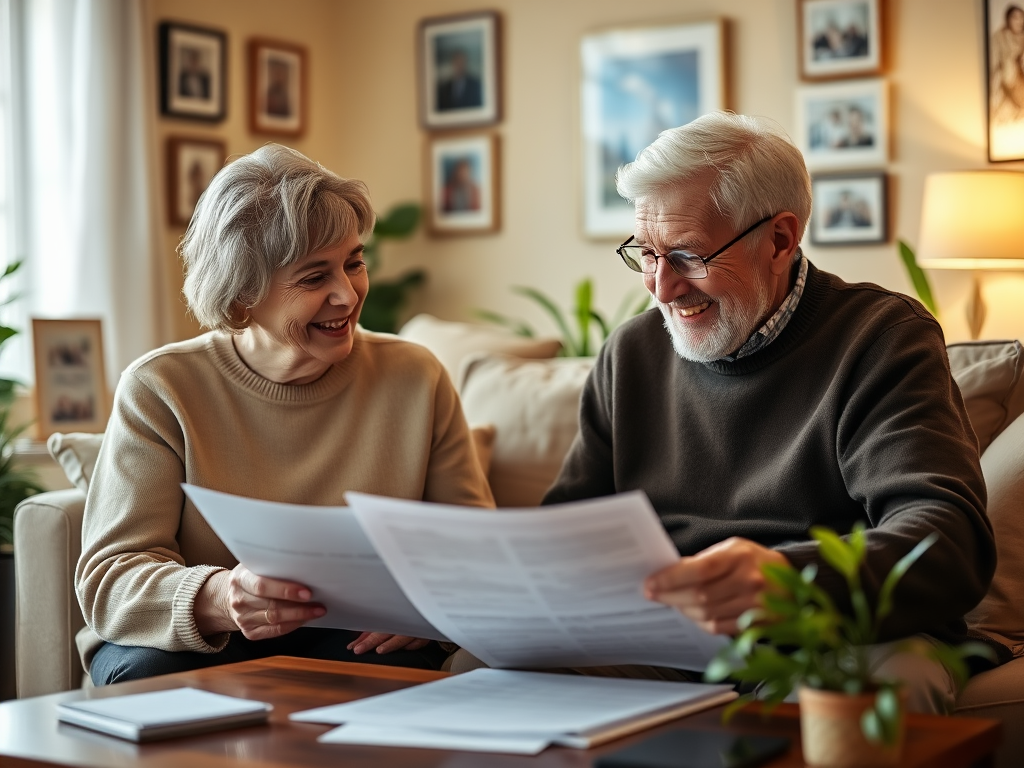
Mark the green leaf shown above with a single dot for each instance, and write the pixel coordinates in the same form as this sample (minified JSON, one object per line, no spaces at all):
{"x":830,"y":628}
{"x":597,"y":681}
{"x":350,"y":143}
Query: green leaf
{"x":556,"y":314}
{"x":836,"y":552}
{"x":897,"y":573}
{"x":399,"y":222}
{"x":871,"y":726}
{"x":518,"y":327}
{"x":584,"y":300}
{"x":6,"y":333}
{"x":599,"y":319}
{"x":13,"y":267}
{"x":918,"y":278}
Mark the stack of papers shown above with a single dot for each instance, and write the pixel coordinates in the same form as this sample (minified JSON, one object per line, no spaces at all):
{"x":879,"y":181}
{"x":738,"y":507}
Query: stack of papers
{"x":159,"y":714}
{"x":492,"y":710}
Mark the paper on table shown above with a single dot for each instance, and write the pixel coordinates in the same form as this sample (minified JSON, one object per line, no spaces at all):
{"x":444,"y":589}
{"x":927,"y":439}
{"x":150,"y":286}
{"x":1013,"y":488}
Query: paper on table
{"x":555,"y":586}
{"x":524,"y":707}
{"x":390,"y":736}
{"x":324,"y":548}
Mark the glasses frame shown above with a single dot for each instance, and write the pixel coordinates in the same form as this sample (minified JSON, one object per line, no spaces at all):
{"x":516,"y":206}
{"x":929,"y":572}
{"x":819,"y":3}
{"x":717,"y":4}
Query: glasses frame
{"x":690,"y":256}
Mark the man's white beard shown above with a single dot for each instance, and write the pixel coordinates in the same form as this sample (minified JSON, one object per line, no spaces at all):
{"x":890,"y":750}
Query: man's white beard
{"x":734,"y":326}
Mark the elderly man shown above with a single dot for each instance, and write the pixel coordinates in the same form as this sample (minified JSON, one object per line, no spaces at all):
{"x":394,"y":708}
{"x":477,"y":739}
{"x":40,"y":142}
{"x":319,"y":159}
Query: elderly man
{"x":764,"y":396}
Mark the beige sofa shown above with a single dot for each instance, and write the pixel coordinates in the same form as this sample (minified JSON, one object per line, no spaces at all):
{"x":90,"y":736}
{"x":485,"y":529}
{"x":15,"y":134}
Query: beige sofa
{"x":531,"y":399}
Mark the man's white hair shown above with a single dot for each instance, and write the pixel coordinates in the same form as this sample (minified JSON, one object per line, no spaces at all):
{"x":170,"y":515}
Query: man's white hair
{"x":262,"y":212}
{"x":757,"y":171}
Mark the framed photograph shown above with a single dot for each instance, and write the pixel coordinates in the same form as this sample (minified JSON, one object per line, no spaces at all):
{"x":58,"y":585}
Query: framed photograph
{"x":463,"y":175}
{"x":843,"y":125}
{"x":193,"y":72}
{"x":839,"y":38}
{"x":71,"y":388}
{"x":191,"y":165}
{"x":849,"y":209}
{"x":637,"y":83}
{"x":460,"y":70}
{"x":277,"y":88}
{"x":1004,"y":47}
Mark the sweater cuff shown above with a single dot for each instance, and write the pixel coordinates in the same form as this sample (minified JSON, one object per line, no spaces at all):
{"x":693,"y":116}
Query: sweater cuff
{"x":183,"y":617}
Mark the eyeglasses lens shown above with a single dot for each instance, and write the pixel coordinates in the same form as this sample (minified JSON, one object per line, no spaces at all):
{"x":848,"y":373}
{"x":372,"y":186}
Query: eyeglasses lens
{"x":642,"y":260}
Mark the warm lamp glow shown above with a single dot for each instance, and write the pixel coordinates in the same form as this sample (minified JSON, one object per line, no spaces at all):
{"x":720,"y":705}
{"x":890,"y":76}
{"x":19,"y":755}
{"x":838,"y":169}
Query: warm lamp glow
{"x":972,"y":220}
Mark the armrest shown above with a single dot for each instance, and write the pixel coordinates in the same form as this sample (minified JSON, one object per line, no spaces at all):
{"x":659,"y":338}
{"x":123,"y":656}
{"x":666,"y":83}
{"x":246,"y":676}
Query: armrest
{"x":47,"y":544}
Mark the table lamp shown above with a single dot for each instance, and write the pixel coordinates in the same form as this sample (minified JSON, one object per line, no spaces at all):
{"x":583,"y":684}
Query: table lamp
{"x":973,"y":220}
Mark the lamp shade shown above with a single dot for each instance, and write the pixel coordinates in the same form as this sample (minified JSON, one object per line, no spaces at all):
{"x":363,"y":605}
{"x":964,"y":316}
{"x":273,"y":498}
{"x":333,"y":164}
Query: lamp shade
{"x":972,"y":220}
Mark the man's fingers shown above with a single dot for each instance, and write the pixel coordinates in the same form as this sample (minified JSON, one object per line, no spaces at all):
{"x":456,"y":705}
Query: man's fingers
{"x":368,"y":641}
{"x":399,"y":642}
{"x":711,"y":564}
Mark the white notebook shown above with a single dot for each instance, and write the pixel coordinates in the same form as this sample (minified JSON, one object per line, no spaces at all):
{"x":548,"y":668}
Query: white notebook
{"x":160,"y":714}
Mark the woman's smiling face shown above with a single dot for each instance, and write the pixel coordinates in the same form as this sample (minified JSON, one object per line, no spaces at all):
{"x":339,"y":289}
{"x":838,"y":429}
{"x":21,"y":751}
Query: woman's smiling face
{"x":307,"y":321}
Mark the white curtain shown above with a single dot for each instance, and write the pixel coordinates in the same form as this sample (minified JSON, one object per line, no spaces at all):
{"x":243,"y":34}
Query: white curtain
{"x":82,"y":114}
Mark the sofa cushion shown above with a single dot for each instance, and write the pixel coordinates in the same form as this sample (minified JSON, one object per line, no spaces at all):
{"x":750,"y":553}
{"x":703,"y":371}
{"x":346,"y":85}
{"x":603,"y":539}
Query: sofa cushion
{"x":989,"y":376}
{"x":453,"y":342}
{"x":1000,"y":614}
{"x":534,"y":404}
{"x":76,"y":452}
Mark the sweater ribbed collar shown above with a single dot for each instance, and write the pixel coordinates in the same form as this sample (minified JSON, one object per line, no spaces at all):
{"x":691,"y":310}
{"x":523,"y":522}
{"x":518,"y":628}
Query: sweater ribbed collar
{"x":801,"y":321}
{"x":336,"y":379}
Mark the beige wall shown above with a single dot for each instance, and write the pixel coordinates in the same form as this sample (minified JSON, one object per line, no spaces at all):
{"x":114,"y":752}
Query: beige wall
{"x":364,"y":124}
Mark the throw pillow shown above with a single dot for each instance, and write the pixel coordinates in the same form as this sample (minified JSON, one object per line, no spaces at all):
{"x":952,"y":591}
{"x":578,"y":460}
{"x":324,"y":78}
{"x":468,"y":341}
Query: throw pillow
{"x":76,"y":452}
{"x":989,"y":376}
{"x":534,"y":404}
{"x":1000,"y":614}
{"x":453,"y":342}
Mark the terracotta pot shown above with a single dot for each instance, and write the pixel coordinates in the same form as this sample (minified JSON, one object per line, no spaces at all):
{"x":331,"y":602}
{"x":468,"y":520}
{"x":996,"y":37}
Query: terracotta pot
{"x":831,"y":735}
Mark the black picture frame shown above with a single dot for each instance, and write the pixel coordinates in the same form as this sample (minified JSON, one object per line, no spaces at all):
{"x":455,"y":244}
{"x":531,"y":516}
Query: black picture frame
{"x":193,"y":72}
{"x":850,"y":209}
{"x":1004,"y":82}
{"x":459,"y":70}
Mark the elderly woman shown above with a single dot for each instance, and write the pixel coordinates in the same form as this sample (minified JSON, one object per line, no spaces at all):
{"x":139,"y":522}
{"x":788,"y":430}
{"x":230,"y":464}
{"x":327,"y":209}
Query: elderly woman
{"x":285,"y":399}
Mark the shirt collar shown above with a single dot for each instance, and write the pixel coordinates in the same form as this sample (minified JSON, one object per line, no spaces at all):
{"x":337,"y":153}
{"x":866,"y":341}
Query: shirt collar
{"x":770,"y":331}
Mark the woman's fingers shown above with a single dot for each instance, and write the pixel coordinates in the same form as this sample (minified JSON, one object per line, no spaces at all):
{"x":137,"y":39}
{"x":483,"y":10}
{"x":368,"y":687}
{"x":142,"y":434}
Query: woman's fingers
{"x":267,"y":588}
{"x":263,"y":607}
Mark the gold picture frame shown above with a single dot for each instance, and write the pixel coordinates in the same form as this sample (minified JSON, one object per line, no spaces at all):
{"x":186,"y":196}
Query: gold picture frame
{"x":71,"y":385}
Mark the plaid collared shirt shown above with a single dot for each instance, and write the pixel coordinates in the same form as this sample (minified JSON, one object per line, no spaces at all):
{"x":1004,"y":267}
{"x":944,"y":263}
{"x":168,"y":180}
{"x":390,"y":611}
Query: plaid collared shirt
{"x":768,"y":332}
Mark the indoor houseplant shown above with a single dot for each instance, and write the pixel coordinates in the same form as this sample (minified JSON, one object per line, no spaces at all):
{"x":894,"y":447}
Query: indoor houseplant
{"x":578,"y":330}
{"x":799,"y":639}
{"x":388,"y":297}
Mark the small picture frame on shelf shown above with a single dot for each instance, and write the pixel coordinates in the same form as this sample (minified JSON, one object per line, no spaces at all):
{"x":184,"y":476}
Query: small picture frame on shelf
{"x":843,"y":125}
{"x":460,"y":70}
{"x":193,"y":72}
{"x":277,"y":88}
{"x":463,"y":193}
{"x":71,"y":387}
{"x":191,"y":165}
{"x":637,"y":83}
{"x":840,"y":38}
{"x":850,"y":209}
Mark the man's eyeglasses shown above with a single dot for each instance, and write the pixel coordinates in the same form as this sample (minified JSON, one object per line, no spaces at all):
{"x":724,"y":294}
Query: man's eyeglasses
{"x":643,"y":258}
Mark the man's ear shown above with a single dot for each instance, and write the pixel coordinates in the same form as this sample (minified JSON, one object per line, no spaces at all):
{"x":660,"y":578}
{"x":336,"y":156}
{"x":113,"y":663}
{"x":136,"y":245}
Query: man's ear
{"x":785,"y":237}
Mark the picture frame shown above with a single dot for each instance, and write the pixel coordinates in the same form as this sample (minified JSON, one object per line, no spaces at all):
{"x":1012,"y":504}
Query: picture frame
{"x":636,"y":83}
{"x":71,"y":386}
{"x":193,"y":72}
{"x":459,"y":70}
{"x":843,"y":125}
{"x":277,"y":87}
{"x":463,"y":183}
{"x":850,"y":209}
{"x":1004,"y":81}
{"x":192,"y":162}
{"x":840,"y":38}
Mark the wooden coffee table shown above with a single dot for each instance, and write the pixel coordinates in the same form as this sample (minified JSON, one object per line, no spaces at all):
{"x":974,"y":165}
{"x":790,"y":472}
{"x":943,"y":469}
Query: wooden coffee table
{"x":30,"y":734}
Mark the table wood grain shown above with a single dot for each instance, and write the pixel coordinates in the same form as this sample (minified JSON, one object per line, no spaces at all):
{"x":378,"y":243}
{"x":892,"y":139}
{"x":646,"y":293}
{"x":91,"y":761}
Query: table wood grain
{"x":31,"y":736}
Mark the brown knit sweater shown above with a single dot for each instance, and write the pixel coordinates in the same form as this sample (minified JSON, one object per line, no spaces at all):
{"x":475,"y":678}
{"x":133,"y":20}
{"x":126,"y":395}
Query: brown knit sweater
{"x":387,"y":420}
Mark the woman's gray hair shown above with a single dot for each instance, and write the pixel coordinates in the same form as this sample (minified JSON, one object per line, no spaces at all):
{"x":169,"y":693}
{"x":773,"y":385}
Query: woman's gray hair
{"x":757,"y":170}
{"x":262,"y":212}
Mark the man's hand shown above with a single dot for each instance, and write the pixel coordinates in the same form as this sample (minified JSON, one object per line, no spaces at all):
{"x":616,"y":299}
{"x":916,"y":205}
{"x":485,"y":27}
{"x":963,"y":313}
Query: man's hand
{"x":384,"y":643}
{"x":259,"y":606}
{"x":716,"y":586}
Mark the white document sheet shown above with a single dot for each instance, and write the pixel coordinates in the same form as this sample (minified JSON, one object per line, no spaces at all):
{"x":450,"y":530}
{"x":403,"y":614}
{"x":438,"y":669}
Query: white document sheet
{"x":548,"y":587}
{"x":324,"y":548}
{"x":512,"y":711}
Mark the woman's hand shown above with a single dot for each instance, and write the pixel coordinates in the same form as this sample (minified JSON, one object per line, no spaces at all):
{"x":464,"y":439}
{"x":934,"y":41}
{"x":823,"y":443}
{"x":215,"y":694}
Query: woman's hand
{"x":259,"y":606}
{"x":385,"y":643}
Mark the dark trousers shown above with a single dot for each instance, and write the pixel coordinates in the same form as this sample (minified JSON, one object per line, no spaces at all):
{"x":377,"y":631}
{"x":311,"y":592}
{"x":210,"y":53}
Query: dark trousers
{"x":118,"y":663}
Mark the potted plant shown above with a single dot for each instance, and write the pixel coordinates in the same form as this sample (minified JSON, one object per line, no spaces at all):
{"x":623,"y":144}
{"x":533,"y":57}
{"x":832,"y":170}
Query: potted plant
{"x":800,"y":640}
{"x":575,"y":342}
{"x":387,"y":298}
{"x":16,"y":483}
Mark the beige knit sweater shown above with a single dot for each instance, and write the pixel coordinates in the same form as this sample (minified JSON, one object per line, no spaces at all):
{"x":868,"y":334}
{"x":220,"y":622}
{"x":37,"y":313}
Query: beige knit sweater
{"x":387,"y":420}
